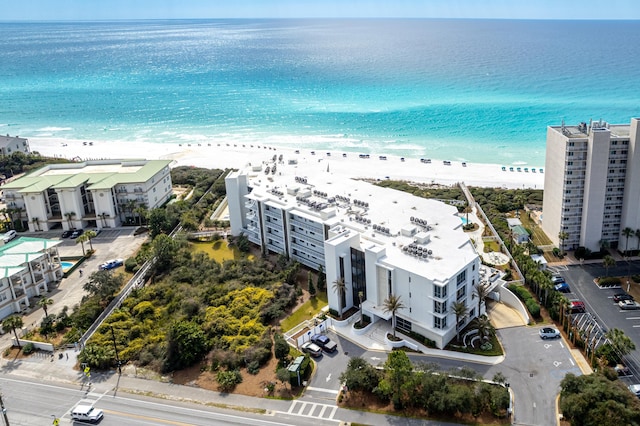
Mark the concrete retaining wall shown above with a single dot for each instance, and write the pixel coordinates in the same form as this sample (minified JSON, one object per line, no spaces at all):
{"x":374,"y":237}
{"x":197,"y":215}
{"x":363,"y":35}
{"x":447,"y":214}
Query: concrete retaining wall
{"x":38,"y":345}
{"x":510,"y":299}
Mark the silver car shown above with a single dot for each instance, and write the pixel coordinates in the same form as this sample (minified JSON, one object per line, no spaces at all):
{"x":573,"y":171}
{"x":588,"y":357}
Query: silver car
{"x":549,"y":333}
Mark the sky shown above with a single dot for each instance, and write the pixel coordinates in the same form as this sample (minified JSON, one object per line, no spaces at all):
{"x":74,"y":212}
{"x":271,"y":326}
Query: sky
{"x":52,"y":10}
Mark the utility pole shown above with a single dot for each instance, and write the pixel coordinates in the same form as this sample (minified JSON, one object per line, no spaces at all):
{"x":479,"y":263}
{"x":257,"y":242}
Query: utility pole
{"x":4,"y":412}
{"x":115,"y":347}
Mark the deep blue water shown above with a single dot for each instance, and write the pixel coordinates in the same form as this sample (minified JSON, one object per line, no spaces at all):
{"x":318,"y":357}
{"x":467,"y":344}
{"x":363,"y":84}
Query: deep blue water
{"x":474,"y":90}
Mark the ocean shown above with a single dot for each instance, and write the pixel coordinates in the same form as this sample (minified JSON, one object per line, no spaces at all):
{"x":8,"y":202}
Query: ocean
{"x":466,"y":90}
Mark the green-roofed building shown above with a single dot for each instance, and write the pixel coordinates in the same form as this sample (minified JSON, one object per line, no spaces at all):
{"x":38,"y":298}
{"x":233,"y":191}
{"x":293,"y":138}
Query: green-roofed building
{"x":97,"y":193}
{"x":28,"y":266}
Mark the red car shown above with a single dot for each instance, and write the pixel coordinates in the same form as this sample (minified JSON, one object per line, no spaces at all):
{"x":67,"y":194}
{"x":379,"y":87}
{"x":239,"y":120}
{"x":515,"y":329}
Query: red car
{"x":576,"y":306}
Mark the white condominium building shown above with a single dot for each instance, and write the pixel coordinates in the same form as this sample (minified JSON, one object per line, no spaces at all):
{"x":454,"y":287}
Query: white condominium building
{"x":27,"y":267}
{"x":12,"y":144}
{"x":100,"y":193}
{"x":592,"y":184}
{"x":379,"y":241}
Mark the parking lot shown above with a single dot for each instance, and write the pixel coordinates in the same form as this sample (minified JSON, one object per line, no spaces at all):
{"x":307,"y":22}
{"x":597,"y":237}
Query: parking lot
{"x":109,"y":244}
{"x":602,"y":313}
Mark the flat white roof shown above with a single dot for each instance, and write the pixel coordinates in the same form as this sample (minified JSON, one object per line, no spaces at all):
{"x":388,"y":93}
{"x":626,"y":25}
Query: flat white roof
{"x":431,"y":230}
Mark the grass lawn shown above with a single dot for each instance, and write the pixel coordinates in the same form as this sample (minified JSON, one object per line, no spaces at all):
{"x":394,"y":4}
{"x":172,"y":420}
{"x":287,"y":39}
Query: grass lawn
{"x":304,"y":312}
{"x":490,"y":246}
{"x":218,"y":251}
{"x":539,"y":238}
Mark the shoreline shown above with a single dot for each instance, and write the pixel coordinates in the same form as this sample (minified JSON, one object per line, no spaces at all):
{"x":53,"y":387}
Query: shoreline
{"x":345,"y":164}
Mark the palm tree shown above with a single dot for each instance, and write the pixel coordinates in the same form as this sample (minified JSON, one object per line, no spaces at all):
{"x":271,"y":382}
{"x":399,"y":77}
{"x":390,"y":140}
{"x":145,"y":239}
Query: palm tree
{"x":608,"y":262}
{"x":519,"y":200}
{"x":622,"y":344}
{"x":12,"y":323}
{"x":393,"y":304}
{"x":460,"y":310}
{"x":604,"y":244}
{"x":131,"y":206}
{"x":627,"y":232}
{"x":637,"y":234}
{"x":141,"y":212}
{"x":36,"y":224}
{"x":90,"y":235}
{"x":43,"y":303}
{"x":70,"y":216}
{"x":562,"y":236}
{"x":360,"y":296}
{"x":484,"y":327}
{"x":82,"y":239}
{"x":340,"y":287}
{"x":481,"y":292}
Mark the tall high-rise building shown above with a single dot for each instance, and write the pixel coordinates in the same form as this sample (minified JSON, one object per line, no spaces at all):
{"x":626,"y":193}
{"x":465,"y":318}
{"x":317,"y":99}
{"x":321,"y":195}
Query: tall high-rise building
{"x":592,"y":185}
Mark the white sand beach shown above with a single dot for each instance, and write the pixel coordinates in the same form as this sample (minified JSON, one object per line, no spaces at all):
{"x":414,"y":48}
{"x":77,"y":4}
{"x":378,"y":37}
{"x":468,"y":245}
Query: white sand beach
{"x":236,"y":155}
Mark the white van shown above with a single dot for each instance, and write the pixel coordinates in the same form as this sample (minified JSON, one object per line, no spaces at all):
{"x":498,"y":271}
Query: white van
{"x":86,"y":413}
{"x":9,"y":235}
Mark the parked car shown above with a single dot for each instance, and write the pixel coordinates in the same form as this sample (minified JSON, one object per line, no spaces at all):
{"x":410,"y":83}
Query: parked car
{"x":562,"y":287}
{"x":622,"y":370}
{"x":576,"y":306}
{"x":628,"y":305}
{"x":548,"y":333}
{"x":619,"y":297}
{"x":87,"y":413}
{"x":110,"y":264}
{"x":557,"y":279}
{"x":66,"y":234}
{"x":77,"y":233}
{"x":635,"y":389}
{"x":9,"y":235}
{"x":324,"y":342}
{"x":312,"y":349}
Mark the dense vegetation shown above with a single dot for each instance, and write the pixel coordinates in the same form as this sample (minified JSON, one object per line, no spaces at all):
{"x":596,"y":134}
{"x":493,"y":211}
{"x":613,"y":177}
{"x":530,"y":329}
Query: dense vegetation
{"x":595,"y":400}
{"x":20,"y":162}
{"x":196,"y":307}
{"x":424,"y":388}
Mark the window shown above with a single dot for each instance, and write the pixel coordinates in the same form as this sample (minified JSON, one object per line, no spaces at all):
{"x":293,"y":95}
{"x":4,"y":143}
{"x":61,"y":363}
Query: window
{"x":403,"y":324}
{"x":462,"y":292}
{"x":439,"y":307}
{"x":439,"y":292}
{"x":3,"y":297}
{"x":462,"y":276}
{"x":440,"y":323}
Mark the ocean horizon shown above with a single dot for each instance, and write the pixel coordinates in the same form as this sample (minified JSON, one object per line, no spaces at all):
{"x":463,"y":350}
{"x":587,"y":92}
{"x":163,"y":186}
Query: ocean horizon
{"x":479,"y":91}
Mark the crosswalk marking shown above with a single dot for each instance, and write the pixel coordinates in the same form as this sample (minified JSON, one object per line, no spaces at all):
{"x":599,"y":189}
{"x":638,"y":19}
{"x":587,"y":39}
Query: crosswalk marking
{"x":308,"y":409}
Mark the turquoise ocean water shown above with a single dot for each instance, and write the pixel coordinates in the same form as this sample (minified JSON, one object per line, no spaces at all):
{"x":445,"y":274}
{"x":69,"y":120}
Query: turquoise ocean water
{"x":474,"y":90}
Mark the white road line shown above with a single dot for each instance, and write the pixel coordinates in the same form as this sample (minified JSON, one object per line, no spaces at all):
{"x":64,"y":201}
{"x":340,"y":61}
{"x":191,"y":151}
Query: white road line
{"x":633,"y":318}
{"x":311,"y":388}
{"x":304,"y":405}
{"x":293,"y":404}
{"x":571,"y":361}
{"x":333,"y":413}
{"x":324,"y":408}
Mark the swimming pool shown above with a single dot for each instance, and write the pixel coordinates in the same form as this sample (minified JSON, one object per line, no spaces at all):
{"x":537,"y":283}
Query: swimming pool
{"x":464,"y":220}
{"x":66,"y":265}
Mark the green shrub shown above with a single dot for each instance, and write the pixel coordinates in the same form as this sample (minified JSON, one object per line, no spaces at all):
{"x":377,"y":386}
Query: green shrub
{"x":28,"y":348}
{"x":253,"y":367}
{"x":609,"y":282}
{"x":533,"y":307}
{"x":227,"y":380}
{"x":130,"y":265}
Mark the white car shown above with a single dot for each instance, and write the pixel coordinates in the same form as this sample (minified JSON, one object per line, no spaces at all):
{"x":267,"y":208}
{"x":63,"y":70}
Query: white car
{"x":86,"y":413}
{"x":635,"y":389}
{"x":548,"y":333}
{"x":9,"y":235}
{"x":628,"y":305}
